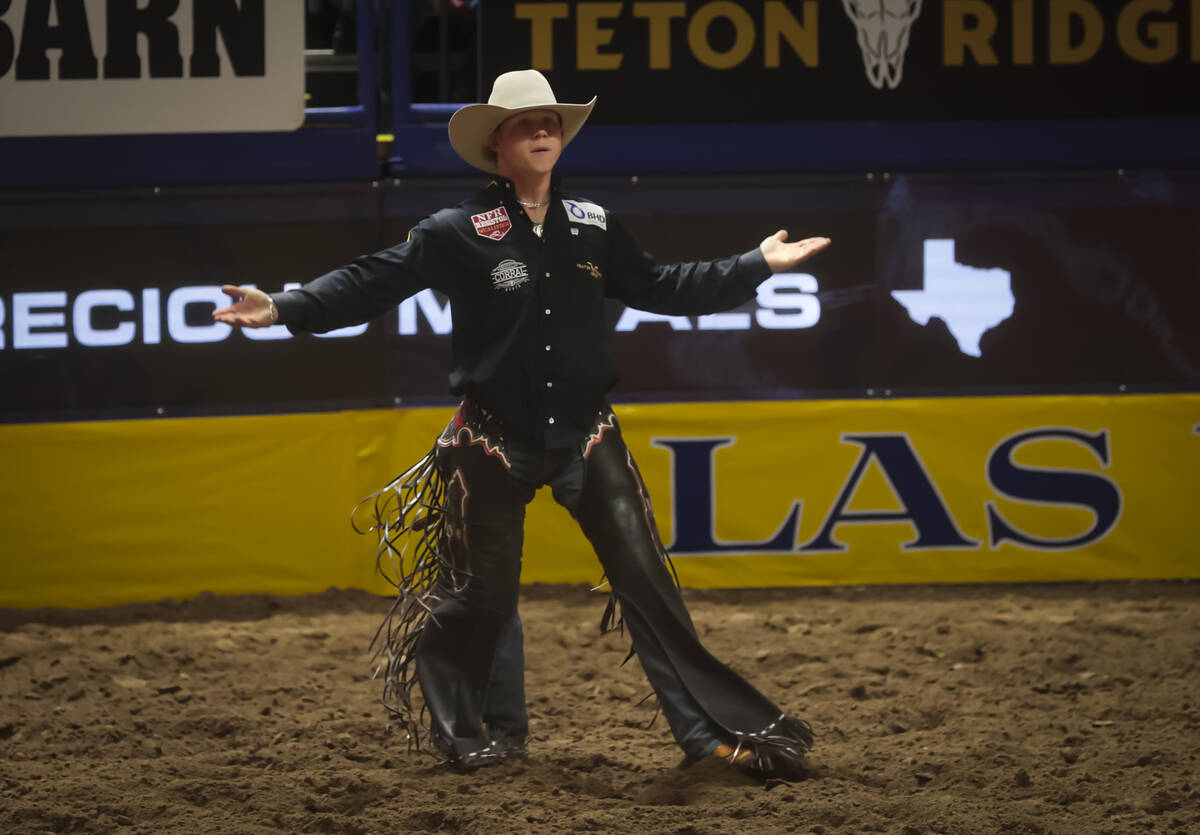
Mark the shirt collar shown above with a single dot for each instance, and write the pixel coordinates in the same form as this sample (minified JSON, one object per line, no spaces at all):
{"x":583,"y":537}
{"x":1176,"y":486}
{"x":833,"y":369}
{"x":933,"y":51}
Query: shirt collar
{"x":503,"y":186}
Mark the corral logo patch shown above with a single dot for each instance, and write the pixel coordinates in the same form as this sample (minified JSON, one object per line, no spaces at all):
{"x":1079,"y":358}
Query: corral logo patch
{"x":494,"y":224}
{"x":509,"y":275}
{"x":586,"y":213}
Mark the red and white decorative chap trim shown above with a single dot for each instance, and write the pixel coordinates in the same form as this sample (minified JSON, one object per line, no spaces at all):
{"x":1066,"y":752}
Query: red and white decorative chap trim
{"x":607,"y":422}
{"x":454,"y":438}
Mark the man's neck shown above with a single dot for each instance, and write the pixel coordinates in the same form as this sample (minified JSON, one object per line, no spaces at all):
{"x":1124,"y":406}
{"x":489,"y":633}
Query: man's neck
{"x":530,"y":187}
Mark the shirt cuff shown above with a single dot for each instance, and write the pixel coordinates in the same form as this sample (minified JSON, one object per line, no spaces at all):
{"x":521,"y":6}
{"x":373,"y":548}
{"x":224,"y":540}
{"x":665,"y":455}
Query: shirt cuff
{"x":288,"y":306}
{"x":752,"y":266}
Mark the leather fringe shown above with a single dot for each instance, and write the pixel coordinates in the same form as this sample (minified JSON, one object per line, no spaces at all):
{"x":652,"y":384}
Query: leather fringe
{"x":779,"y":748}
{"x":407,"y":517}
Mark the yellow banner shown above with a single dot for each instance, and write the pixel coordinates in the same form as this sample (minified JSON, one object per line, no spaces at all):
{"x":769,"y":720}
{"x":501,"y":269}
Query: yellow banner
{"x":939,"y":490}
{"x":747,"y":494}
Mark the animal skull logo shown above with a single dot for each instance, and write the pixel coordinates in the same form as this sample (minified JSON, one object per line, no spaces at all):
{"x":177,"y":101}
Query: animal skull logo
{"x":883,"y":27}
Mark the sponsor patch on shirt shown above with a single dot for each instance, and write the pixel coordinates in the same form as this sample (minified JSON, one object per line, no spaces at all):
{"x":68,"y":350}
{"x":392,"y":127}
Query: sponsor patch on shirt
{"x":586,"y":213}
{"x":590,"y":268}
{"x":509,"y":274}
{"x":494,"y":224}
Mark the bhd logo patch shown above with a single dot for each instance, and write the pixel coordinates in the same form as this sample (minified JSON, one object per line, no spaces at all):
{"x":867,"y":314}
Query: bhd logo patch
{"x":494,"y":224}
{"x":586,"y":213}
{"x":509,"y":275}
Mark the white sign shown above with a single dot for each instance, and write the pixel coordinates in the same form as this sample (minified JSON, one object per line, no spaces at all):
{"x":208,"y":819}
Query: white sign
{"x":82,"y":67}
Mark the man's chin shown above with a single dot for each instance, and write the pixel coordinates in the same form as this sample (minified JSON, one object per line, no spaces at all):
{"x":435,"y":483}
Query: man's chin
{"x":543,"y":161}
{"x":533,"y":168}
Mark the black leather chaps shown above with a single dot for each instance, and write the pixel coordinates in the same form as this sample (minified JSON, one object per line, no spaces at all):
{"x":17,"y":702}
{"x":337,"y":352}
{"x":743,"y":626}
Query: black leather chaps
{"x":467,"y":656}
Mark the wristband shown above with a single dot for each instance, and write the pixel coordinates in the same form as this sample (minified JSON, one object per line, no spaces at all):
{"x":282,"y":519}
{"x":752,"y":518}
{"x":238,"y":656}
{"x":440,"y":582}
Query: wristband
{"x":274,"y":313}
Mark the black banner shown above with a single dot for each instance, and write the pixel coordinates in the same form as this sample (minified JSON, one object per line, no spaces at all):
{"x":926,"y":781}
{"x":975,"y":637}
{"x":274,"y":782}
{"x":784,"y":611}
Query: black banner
{"x":667,"y":61}
{"x":946,"y":286}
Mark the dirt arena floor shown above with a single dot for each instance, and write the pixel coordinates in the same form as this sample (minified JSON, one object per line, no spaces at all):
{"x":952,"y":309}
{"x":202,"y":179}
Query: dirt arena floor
{"x":1022,"y":709}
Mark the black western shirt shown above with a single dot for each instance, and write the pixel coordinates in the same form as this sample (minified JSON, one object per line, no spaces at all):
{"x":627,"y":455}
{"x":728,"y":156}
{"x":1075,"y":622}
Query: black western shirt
{"x":530,"y":340}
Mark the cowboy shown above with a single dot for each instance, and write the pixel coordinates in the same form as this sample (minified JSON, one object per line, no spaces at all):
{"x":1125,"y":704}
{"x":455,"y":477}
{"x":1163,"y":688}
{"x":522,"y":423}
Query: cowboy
{"x":527,"y":268}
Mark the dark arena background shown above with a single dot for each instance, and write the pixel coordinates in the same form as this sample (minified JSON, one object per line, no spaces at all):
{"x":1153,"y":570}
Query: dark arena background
{"x":934,"y":491}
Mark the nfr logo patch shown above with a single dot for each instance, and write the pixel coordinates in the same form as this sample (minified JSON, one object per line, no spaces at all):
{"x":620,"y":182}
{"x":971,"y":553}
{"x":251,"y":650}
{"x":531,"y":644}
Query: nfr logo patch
{"x":494,"y":224}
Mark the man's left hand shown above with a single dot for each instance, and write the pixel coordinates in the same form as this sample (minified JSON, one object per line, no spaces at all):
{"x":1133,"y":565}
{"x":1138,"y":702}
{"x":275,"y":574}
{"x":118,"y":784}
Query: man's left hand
{"x":783,"y":256}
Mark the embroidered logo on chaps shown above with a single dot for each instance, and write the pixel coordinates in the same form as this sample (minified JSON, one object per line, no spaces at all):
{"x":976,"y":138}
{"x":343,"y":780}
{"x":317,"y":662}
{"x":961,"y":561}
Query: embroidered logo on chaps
{"x":456,"y":498}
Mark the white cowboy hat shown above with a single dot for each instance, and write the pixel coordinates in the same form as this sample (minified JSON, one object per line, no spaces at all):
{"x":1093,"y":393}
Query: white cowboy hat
{"x":512,"y":93}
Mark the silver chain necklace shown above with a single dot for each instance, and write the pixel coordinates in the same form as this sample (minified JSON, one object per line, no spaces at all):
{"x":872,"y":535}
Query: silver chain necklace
{"x":533,"y":205}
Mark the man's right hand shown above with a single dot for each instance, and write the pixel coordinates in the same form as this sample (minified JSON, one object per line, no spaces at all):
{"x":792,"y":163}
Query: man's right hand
{"x":251,"y":308}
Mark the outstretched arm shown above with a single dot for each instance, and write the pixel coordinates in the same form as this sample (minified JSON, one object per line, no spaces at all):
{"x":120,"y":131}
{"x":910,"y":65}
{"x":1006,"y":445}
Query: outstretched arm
{"x":698,"y":287}
{"x":357,"y":292}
